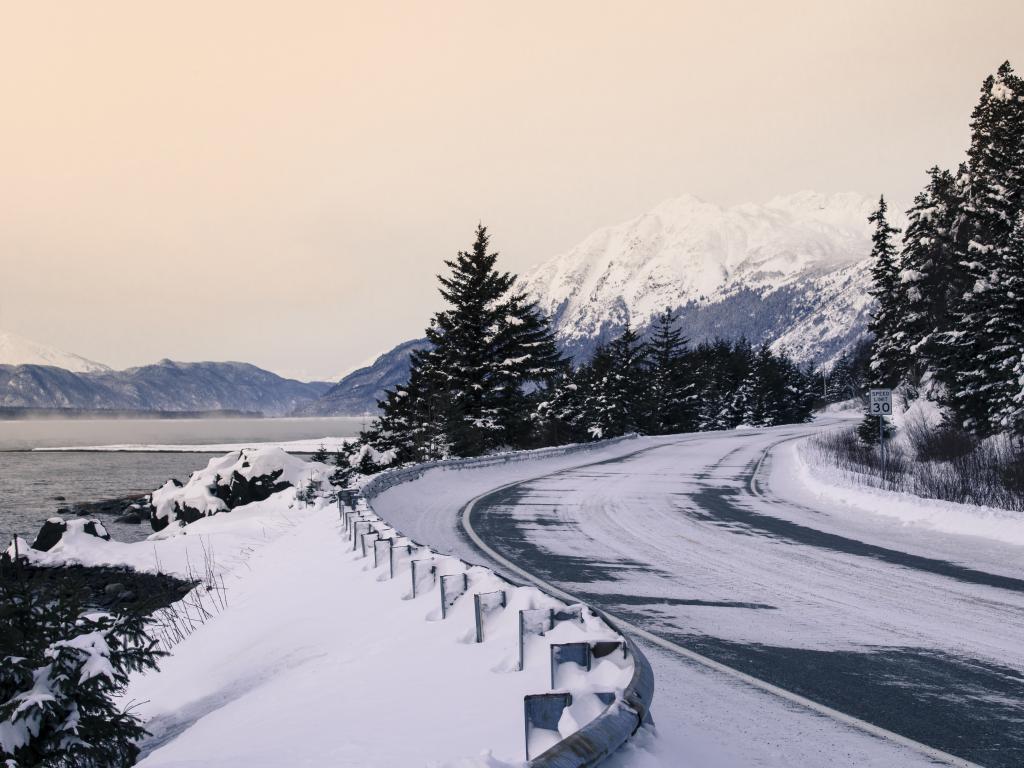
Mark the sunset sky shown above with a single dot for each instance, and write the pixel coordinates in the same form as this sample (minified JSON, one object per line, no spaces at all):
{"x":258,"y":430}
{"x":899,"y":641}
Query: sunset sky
{"x":279,"y":182}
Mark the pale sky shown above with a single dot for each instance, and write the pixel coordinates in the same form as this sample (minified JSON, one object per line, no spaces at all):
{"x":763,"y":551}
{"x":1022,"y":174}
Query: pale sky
{"x":278,"y":182}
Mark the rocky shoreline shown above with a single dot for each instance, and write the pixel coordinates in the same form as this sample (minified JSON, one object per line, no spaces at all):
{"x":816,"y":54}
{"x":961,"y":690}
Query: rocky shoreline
{"x":101,"y":588}
{"x":129,"y":510}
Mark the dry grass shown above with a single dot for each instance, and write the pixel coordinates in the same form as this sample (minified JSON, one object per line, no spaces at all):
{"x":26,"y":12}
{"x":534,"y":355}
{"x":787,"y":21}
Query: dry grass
{"x":939,"y":463}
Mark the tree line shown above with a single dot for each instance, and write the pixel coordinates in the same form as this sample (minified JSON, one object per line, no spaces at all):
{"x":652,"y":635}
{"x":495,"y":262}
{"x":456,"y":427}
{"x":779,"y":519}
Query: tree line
{"x":949,"y":317}
{"x":492,"y":378}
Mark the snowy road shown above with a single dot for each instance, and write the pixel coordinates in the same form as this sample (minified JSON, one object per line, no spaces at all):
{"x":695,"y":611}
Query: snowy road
{"x":706,"y":541}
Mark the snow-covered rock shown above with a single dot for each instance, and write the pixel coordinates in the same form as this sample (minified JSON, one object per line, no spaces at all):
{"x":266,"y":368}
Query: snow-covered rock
{"x":792,"y":271}
{"x":241,"y":477}
{"x":17,"y":350}
{"x":57,"y":529}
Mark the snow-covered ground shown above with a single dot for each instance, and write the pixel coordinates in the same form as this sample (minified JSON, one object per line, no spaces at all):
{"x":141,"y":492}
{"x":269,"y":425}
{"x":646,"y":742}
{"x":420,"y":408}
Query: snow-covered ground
{"x":699,"y":541}
{"x":806,"y":475}
{"x":320,"y":658}
{"x":717,"y":543}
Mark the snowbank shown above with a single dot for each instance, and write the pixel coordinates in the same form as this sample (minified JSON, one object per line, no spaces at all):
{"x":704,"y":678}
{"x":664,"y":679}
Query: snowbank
{"x":836,"y":487}
{"x":236,"y":479}
{"x":322,"y":655}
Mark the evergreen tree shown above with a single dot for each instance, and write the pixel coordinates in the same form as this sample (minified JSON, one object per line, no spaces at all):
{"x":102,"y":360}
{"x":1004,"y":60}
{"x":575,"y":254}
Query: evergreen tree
{"x":774,"y":391}
{"x":320,"y":454}
{"x":343,"y":469}
{"x":473,"y":389}
{"x":559,"y":415}
{"x":611,"y":388}
{"x":672,"y":398}
{"x":594,"y":399}
{"x":525,"y":354}
{"x":886,"y":321}
{"x":61,"y":674}
{"x":988,"y":322}
{"x":848,"y":376}
{"x":623,"y":386}
{"x":1011,"y":414}
{"x":888,"y":365}
{"x":930,"y":275}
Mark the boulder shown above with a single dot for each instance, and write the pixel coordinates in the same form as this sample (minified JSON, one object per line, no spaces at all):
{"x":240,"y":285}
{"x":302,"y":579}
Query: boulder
{"x":55,"y":528}
{"x":49,"y":534}
{"x":241,"y":477}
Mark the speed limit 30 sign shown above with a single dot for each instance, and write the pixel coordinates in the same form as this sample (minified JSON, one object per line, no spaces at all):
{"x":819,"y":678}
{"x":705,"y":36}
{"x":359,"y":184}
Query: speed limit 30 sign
{"x":880,"y":403}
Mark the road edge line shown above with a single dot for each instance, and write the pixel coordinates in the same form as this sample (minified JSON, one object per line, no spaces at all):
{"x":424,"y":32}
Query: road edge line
{"x":794,"y":698}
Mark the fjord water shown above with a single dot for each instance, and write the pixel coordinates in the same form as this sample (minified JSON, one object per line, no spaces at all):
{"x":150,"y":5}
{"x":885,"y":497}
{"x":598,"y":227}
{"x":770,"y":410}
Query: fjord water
{"x":29,"y":479}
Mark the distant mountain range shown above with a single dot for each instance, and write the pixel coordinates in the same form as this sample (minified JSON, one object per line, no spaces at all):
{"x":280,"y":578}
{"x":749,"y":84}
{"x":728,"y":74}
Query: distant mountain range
{"x":17,"y":350}
{"x":359,"y":391}
{"x":793,"y":272}
{"x":165,"y":386}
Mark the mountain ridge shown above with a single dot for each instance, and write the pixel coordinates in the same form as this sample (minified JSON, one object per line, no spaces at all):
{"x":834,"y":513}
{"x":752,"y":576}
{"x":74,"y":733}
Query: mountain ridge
{"x":792,"y":272}
{"x":17,"y":350}
{"x":164,"y":386}
{"x":688,"y":254}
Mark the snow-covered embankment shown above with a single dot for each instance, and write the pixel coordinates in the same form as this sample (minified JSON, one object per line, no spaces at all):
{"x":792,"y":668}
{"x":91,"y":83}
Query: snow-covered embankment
{"x":588,"y":713}
{"x":318,"y":654}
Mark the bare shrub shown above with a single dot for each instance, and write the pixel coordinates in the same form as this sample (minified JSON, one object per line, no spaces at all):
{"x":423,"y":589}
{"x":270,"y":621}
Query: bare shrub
{"x":943,"y":442}
{"x":941,"y":463}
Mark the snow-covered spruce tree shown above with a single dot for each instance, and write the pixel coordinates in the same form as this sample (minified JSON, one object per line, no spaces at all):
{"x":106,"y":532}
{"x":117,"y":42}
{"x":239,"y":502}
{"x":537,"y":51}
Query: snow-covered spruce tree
{"x":848,"y":377}
{"x":617,"y":393}
{"x":468,"y":392}
{"x":775,"y":391}
{"x":796,"y":393}
{"x":987,"y":321}
{"x":888,"y":365}
{"x":1011,"y":414}
{"x":410,"y":425}
{"x":721,"y":367}
{"x":59,"y":683}
{"x":930,"y":275}
{"x":525,"y":355}
{"x":672,"y":397}
{"x":343,"y":469}
{"x":559,"y":415}
{"x":320,"y":454}
{"x":886,"y":324}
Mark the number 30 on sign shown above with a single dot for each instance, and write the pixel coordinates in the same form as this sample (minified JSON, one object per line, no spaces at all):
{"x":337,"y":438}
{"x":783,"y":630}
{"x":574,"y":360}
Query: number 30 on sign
{"x":880,"y":402}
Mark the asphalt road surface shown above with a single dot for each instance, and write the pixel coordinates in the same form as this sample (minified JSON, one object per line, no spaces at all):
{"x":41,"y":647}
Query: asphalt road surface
{"x":688,"y":538}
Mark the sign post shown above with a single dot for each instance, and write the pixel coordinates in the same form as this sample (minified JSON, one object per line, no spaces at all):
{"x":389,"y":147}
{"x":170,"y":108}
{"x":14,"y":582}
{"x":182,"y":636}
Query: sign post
{"x":880,"y":405}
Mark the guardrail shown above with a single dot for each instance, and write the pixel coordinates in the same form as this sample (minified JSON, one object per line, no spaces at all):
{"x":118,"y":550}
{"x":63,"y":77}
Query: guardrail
{"x":392,"y":477}
{"x":601,"y":737}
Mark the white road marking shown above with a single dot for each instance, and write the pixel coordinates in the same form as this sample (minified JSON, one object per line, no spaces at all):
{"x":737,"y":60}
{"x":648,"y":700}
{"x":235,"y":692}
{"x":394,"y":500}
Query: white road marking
{"x":794,"y":698}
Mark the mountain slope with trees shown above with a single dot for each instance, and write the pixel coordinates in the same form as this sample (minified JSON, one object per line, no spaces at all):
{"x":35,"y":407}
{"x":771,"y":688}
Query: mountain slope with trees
{"x":491,"y":378}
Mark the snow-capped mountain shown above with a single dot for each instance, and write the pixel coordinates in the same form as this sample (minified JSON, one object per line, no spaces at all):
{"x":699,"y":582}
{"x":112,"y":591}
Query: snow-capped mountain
{"x":17,"y":350}
{"x":792,"y":271}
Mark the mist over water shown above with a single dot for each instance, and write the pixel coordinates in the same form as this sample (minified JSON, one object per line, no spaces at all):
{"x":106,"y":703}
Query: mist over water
{"x":29,"y":480}
{"x":27,"y":434}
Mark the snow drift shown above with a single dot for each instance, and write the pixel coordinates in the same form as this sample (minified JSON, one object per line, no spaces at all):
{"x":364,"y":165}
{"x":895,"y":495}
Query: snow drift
{"x":239,"y":478}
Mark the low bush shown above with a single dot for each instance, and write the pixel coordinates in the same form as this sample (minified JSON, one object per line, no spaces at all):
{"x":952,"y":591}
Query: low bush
{"x":938,"y":462}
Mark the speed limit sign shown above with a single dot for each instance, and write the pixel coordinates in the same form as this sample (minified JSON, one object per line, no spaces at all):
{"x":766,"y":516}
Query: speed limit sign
{"x":880,"y":403}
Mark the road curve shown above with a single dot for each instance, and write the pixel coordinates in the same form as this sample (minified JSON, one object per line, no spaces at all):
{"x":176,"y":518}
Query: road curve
{"x":685,"y":541}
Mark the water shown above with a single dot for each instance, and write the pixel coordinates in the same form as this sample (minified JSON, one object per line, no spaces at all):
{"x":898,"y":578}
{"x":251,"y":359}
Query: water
{"x":24,"y":435}
{"x":29,"y":481}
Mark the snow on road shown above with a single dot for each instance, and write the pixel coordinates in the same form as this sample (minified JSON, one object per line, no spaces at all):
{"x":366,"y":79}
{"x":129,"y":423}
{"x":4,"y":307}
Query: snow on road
{"x":915,"y":630}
